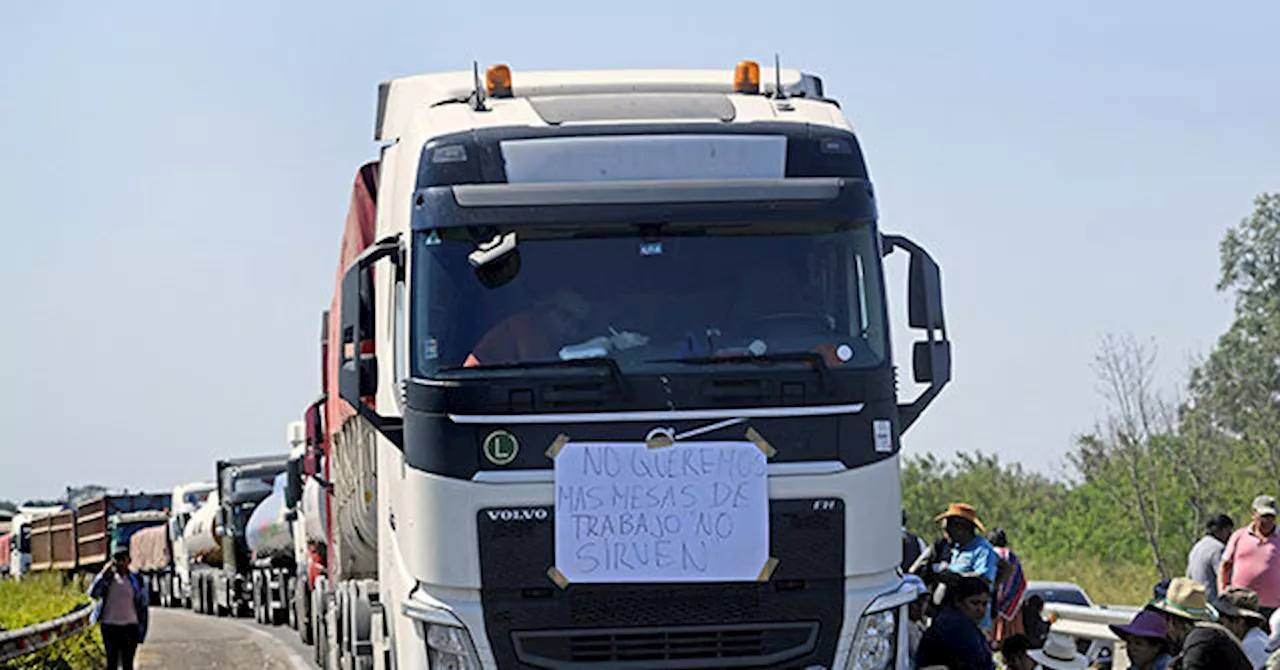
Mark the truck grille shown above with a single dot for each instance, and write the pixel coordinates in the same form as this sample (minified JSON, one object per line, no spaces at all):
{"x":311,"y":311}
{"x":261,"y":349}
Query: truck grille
{"x":792,"y":621}
{"x":732,"y":646}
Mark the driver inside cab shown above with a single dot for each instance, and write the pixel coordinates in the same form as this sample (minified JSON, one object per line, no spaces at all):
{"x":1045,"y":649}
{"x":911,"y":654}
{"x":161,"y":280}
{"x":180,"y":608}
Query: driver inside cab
{"x":533,"y":334}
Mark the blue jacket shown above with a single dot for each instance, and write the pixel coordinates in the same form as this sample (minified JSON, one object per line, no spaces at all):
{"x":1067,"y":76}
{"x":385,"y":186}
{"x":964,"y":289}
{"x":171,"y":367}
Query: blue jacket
{"x":141,"y":598}
{"x":956,"y":642}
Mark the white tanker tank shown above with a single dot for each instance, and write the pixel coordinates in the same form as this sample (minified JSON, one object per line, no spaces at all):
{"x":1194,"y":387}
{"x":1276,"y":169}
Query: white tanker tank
{"x":269,"y":532}
{"x":201,"y":534}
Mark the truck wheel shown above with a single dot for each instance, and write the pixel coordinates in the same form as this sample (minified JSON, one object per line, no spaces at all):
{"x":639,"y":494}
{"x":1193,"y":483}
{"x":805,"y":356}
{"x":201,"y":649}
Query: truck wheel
{"x":303,"y":614}
{"x":290,"y":601}
{"x":222,"y":601}
{"x":258,"y":604}
{"x":277,"y":599}
{"x":327,"y":632}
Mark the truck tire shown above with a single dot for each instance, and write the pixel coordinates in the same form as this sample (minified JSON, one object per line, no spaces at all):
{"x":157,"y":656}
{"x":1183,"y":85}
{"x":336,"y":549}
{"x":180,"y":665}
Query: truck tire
{"x":222,"y":602}
{"x":306,"y":632}
{"x":258,"y":603}
{"x":278,"y":599}
{"x":329,"y":615}
{"x":290,"y":601}
{"x":197,"y":594}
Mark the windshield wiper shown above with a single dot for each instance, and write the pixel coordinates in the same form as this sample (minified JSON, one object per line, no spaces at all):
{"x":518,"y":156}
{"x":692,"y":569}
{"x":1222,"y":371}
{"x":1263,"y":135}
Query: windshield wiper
{"x":815,"y":360}
{"x":615,"y":372}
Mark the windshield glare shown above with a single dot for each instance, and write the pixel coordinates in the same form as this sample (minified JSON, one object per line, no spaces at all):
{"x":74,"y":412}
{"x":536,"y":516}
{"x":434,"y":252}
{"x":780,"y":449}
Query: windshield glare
{"x":694,"y":293}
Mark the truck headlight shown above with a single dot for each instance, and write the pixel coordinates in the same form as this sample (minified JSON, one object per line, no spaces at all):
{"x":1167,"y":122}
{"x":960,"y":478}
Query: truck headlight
{"x":875,"y":644}
{"x":450,"y":648}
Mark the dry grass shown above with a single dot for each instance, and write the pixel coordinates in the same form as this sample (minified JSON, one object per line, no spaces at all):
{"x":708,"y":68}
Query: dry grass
{"x":1108,"y":584}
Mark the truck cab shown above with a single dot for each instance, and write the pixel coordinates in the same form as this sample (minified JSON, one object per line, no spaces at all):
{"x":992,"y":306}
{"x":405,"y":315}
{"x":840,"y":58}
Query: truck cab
{"x":186,"y":499}
{"x":611,"y":358}
{"x":243,"y":483}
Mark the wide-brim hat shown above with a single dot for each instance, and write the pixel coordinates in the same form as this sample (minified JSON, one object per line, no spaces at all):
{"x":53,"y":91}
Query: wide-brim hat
{"x":1241,"y":602}
{"x":1186,"y":598}
{"x":1146,"y":624}
{"x":964,"y":511}
{"x":1059,"y":653}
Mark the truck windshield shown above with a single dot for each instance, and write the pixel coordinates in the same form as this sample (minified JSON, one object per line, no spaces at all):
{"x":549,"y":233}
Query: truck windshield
{"x":650,"y":297}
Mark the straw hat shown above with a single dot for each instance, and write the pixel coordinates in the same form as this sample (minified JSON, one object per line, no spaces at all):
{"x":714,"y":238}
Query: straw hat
{"x":1059,"y":653}
{"x":1186,"y":598}
{"x":964,"y":511}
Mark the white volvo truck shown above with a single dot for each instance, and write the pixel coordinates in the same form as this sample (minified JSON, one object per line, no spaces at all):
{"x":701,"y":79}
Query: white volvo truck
{"x":608,"y":380}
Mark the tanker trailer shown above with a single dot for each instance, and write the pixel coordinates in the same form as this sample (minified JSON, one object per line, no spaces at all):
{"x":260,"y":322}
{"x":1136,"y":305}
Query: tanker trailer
{"x":269,"y":536}
{"x":175,"y":587}
{"x":200,"y":555}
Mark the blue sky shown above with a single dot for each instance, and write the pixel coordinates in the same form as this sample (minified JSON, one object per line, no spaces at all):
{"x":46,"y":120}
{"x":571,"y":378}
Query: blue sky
{"x":175,"y":176}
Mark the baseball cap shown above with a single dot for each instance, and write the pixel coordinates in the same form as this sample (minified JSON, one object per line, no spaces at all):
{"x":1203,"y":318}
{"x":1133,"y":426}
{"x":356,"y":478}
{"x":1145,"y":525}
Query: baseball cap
{"x":1265,"y":505}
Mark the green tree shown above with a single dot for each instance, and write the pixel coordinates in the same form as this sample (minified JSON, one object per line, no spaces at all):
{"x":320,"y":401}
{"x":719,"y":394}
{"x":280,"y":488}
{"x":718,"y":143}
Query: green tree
{"x":1236,"y":390}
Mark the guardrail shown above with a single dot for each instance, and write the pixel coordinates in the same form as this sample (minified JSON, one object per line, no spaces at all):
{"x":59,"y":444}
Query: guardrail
{"x":23,"y":641}
{"x":1093,"y":624}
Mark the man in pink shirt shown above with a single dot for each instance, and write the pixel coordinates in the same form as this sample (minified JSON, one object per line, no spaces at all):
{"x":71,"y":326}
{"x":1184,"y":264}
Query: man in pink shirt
{"x":1251,"y":558}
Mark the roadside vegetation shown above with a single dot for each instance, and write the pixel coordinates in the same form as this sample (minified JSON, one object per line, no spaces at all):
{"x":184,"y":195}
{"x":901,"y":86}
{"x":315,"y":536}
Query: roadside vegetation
{"x":1143,"y":482}
{"x":39,"y":598}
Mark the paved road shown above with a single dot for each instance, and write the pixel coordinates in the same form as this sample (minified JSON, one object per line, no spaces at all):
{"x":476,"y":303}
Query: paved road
{"x":182,"y":639}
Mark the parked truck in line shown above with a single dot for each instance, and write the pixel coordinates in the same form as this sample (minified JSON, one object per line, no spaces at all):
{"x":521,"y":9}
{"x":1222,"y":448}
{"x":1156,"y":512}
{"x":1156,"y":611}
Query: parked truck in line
{"x":202,"y":541}
{"x":20,"y":558}
{"x":269,"y":538}
{"x":242,"y":483}
{"x":158,"y":551}
{"x":304,"y":501}
{"x":53,"y":541}
{"x":556,"y":289}
{"x":94,"y":520}
{"x":78,"y":538}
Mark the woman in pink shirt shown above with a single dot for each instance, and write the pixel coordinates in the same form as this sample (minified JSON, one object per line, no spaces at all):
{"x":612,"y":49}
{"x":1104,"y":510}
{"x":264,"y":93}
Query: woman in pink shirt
{"x":1251,"y":558}
{"x":122,"y":610}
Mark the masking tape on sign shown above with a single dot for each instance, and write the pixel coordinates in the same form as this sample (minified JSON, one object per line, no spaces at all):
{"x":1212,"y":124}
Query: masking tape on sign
{"x":761,"y":443}
{"x":766,"y":571}
{"x":557,"y":445}
{"x":558,"y":577}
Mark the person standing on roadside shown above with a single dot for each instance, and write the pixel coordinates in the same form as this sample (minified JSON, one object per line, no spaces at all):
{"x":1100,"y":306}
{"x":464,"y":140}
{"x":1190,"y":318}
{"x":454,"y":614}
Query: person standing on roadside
{"x":1188,"y":621}
{"x":954,"y":640}
{"x":1251,"y":558}
{"x":121,"y":610}
{"x":1206,"y":556}
{"x":1145,"y":641}
{"x":1239,"y":614}
{"x":1011,"y":586}
{"x":971,"y":554}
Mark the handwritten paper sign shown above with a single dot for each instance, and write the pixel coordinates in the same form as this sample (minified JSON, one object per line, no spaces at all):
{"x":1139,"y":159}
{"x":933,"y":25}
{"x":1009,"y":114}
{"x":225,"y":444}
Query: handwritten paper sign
{"x":692,"y":512}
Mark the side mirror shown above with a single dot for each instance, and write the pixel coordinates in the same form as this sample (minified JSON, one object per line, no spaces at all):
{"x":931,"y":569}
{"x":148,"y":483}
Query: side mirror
{"x":930,"y":358}
{"x":357,"y":360}
{"x":314,"y":426}
{"x":358,"y":372}
{"x":924,"y":291}
{"x":293,"y":483}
